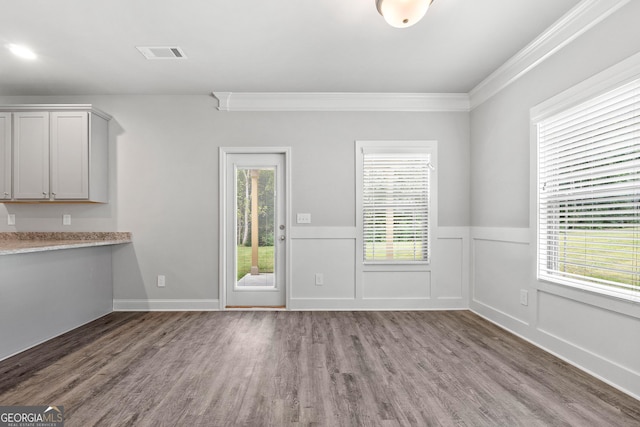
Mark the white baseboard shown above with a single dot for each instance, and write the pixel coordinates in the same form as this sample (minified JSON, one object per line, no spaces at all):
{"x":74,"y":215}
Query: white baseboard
{"x":486,"y":313}
{"x":395,"y":304}
{"x":166,"y":304}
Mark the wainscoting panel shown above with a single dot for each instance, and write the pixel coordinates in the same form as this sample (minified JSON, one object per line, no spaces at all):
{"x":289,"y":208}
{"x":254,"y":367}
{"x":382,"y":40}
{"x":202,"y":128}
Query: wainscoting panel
{"x":397,"y":285}
{"x":603,"y":333}
{"x":500,"y":272}
{"x":350,"y":285}
{"x":598,"y":334}
{"x":333,"y":258}
{"x":450,"y":257}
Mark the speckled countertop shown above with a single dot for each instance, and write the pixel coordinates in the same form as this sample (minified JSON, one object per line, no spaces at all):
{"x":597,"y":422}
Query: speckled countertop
{"x":26,"y":242}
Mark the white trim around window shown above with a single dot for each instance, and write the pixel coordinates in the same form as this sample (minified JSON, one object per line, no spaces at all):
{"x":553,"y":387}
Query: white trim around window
{"x":420,"y":182}
{"x":585,"y":171}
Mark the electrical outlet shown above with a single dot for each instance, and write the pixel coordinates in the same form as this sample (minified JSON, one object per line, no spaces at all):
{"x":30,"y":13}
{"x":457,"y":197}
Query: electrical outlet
{"x":319,"y":279}
{"x":161,"y":281}
{"x":524,"y":297}
{"x":11,"y":219}
{"x":66,"y":219}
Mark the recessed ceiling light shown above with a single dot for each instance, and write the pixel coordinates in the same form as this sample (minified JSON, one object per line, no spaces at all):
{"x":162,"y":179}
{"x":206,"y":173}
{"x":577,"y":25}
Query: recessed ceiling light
{"x":22,"y":51}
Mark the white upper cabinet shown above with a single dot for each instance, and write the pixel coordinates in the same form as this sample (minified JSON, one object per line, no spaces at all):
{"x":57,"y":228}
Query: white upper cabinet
{"x":70,"y":156}
{"x":53,"y":153}
{"x":31,"y":155}
{"x":5,"y":156}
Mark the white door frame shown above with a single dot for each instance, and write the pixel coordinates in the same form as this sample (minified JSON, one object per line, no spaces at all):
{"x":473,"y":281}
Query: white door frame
{"x":222,"y":266}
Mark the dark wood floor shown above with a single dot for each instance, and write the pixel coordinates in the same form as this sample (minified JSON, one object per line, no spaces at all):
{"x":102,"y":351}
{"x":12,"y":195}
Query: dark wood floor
{"x":323,"y":368}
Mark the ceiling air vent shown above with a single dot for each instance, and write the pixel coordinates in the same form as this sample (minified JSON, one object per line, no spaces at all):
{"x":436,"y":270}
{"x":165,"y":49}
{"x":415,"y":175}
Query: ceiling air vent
{"x":162,"y":52}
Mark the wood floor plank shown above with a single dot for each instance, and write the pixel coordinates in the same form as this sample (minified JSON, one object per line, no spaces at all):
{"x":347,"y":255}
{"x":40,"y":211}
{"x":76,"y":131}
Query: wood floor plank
{"x":277,"y":368}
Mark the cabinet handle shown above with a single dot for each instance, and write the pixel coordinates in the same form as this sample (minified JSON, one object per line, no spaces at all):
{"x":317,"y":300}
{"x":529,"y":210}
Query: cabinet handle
{"x":54,"y":195}
{"x":44,"y":194}
{"x":6,"y":195}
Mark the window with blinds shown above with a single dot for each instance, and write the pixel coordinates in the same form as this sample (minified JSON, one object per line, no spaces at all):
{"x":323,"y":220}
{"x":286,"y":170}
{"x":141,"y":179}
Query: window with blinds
{"x":395,"y":206}
{"x":589,"y":194}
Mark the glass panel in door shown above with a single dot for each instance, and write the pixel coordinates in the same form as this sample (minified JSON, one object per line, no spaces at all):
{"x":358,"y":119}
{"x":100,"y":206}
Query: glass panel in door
{"x":255,"y":228}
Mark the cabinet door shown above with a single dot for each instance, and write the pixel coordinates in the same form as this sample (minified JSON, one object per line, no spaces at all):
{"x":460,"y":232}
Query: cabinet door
{"x":70,"y":155}
{"x":31,"y":155}
{"x":5,"y":156}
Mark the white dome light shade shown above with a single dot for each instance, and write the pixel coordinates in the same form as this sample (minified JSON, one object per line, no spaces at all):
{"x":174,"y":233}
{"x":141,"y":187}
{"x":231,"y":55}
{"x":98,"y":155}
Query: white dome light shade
{"x":402,"y":13}
{"x":21,"y":51}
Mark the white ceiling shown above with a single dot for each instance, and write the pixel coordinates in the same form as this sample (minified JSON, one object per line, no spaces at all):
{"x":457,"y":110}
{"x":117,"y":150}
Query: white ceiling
{"x":89,"y":46}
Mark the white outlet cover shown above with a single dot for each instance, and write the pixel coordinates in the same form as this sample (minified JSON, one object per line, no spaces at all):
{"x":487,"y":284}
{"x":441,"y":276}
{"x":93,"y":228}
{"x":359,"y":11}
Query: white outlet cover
{"x":303,"y":218}
{"x":66,"y":219}
{"x":11,"y":219}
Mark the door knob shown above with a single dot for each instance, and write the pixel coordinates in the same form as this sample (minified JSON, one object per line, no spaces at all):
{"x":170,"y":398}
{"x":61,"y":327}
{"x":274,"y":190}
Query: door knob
{"x":283,"y":237}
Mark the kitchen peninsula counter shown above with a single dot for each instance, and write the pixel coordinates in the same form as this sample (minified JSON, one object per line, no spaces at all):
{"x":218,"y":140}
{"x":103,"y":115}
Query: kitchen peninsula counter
{"x":53,"y":282}
{"x":27,"y":242}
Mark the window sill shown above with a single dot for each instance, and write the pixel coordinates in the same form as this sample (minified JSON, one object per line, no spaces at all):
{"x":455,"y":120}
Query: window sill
{"x":396,"y":266}
{"x":611,"y":302}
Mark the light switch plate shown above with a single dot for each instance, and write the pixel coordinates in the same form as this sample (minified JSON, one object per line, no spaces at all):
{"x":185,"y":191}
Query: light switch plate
{"x":303,"y":218}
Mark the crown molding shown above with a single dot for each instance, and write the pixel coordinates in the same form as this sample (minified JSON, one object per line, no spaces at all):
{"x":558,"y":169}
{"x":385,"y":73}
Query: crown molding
{"x":574,"y":23}
{"x":320,"y":101}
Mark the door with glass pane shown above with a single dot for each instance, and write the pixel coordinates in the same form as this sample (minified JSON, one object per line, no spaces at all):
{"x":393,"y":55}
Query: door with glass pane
{"x":255,"y":230}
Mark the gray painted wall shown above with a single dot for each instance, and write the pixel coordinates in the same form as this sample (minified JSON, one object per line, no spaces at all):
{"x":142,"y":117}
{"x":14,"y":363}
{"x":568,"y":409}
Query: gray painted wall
{"x":164,"y":176}
{"x":598,"y":333}
{"x":500,"y":126}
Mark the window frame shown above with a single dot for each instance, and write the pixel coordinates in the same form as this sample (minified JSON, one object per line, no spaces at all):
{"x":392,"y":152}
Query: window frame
{"x":600,"y":84}
{"x":402,"y":147}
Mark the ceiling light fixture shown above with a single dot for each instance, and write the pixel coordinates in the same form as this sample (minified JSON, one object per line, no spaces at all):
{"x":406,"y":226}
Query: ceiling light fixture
{"x":403,"y":13}
{"x":22,"y":51}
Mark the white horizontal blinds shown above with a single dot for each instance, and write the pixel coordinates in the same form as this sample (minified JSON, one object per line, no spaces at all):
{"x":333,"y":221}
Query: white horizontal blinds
{"x":396,"y":206}
{"x":589,"y":193}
